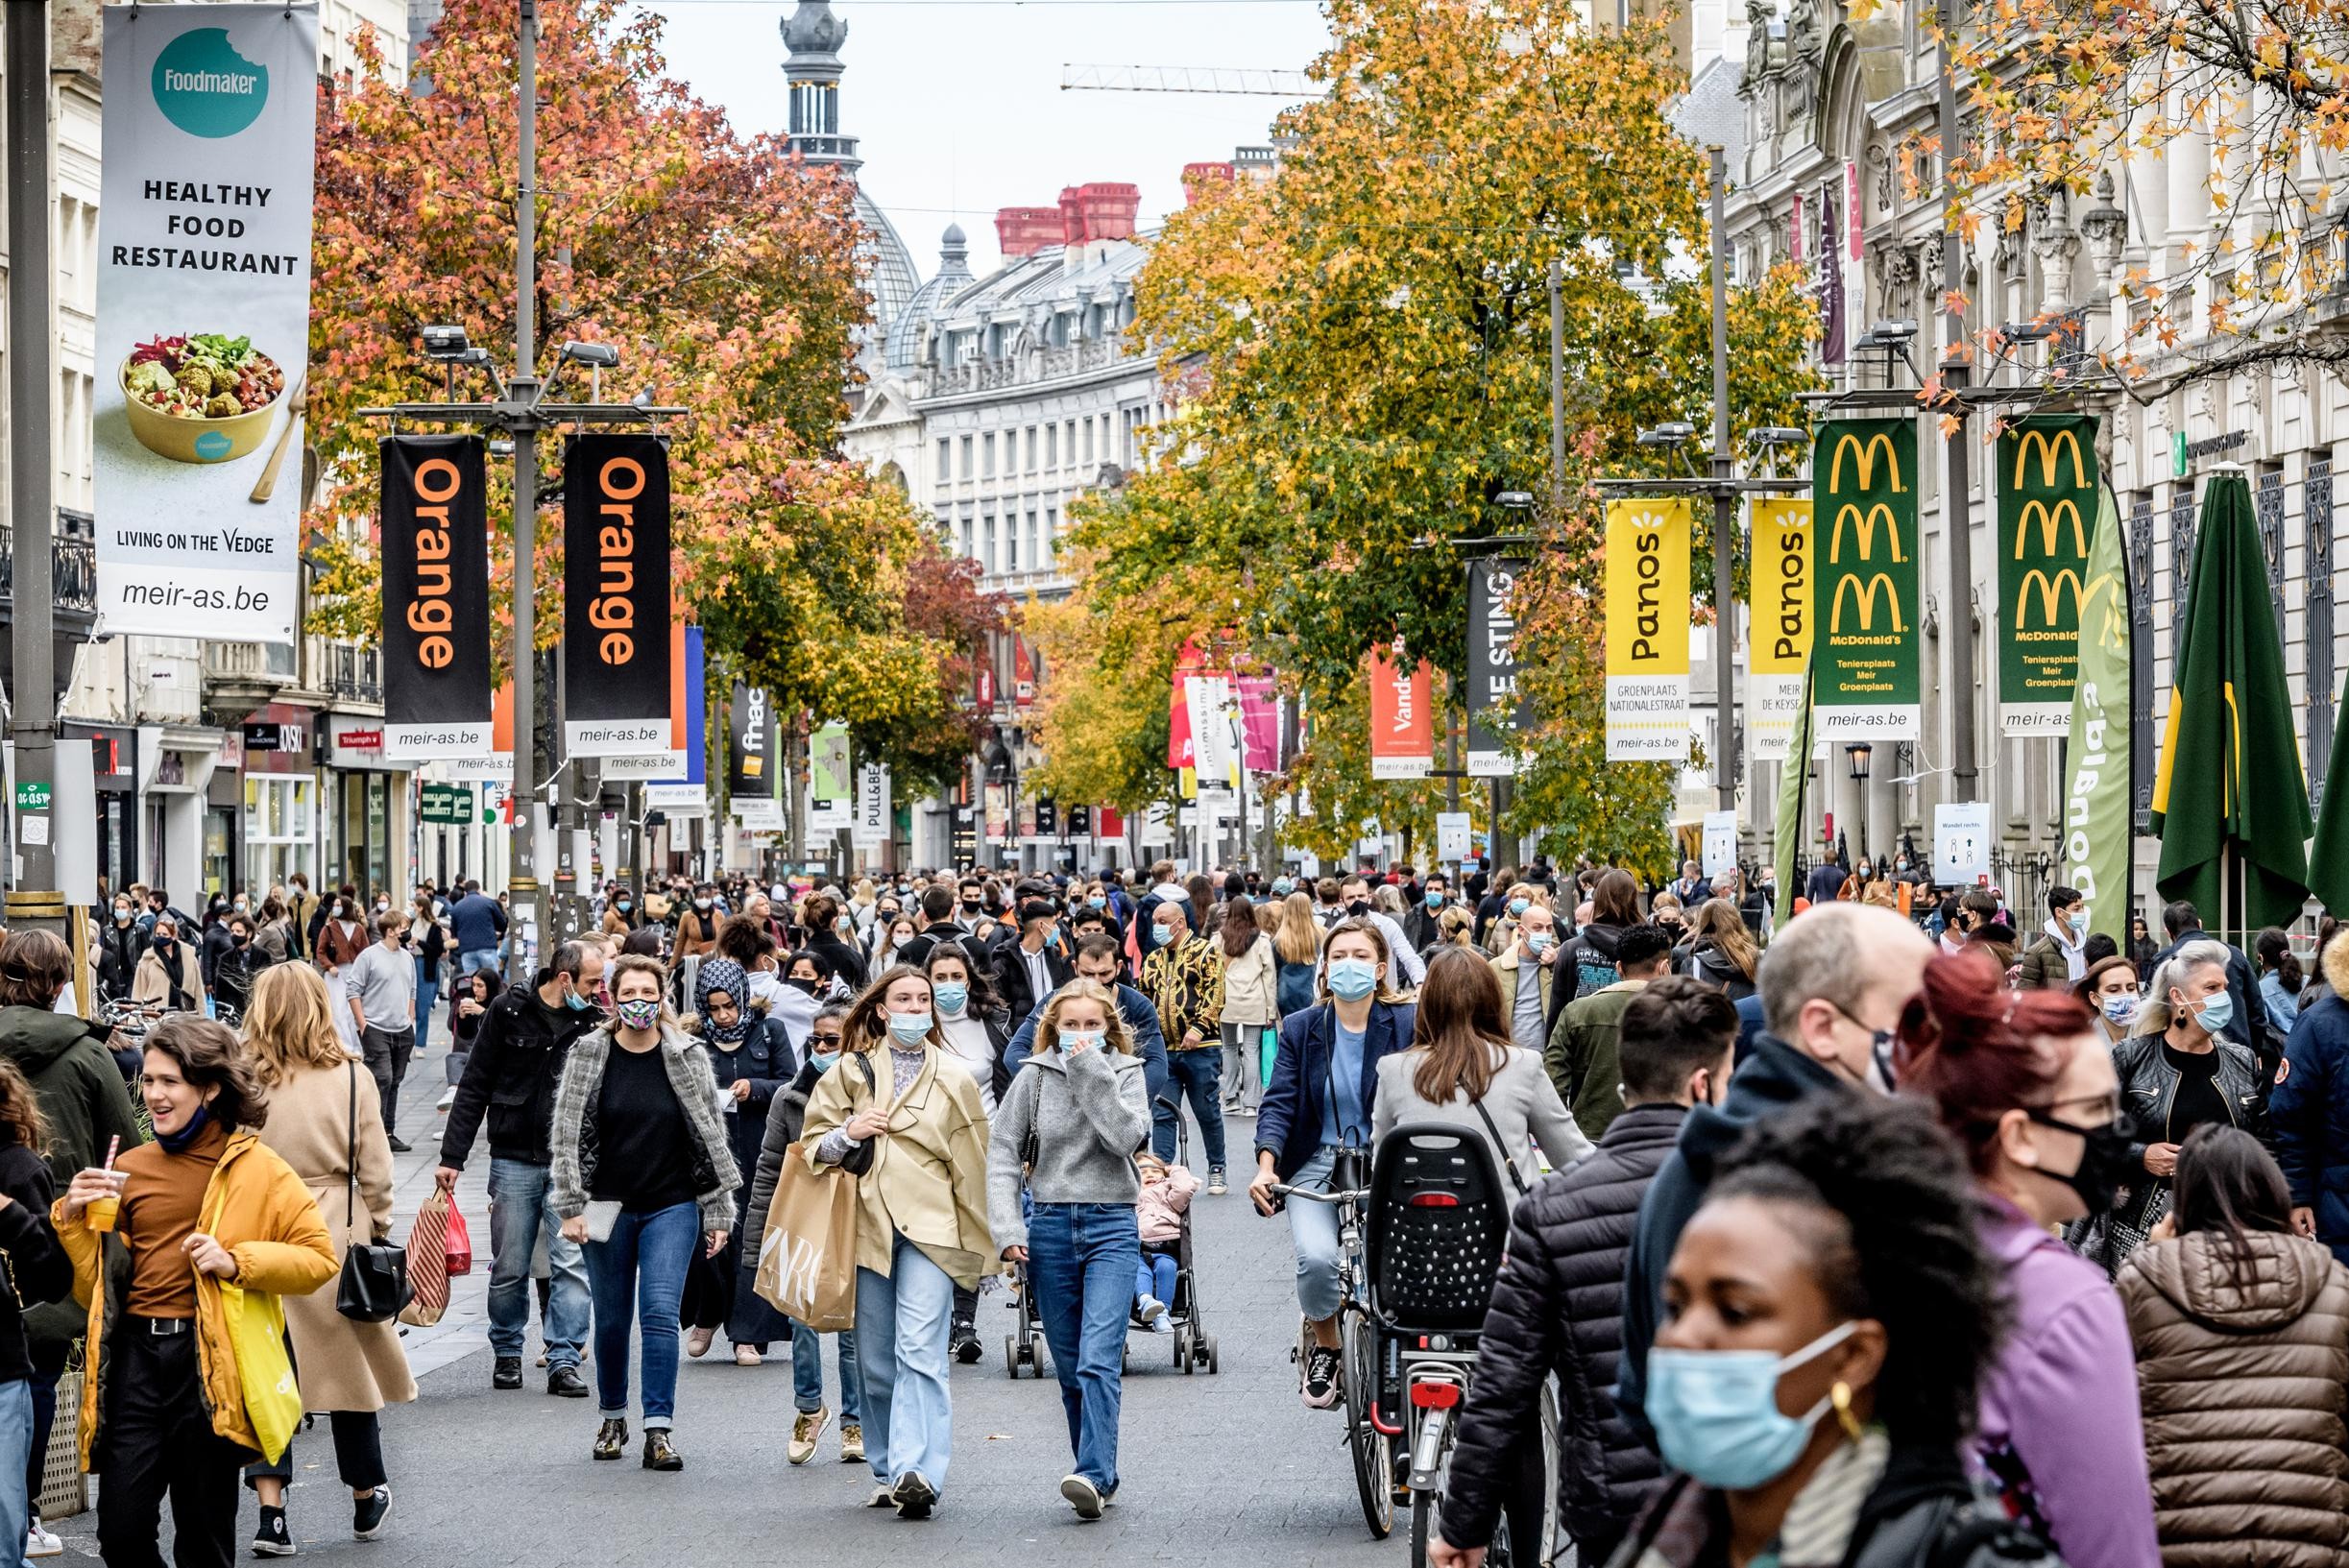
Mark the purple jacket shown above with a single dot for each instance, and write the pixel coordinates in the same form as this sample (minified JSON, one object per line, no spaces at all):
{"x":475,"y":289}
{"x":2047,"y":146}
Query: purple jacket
{"x":2061,"y":1433}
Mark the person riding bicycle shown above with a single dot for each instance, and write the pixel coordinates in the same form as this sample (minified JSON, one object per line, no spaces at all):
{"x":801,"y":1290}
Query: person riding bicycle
{"x":1322,"y":1097}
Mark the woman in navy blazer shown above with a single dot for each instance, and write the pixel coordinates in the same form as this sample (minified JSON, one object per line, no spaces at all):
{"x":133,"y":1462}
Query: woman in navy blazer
{"x":1323,"y":1092}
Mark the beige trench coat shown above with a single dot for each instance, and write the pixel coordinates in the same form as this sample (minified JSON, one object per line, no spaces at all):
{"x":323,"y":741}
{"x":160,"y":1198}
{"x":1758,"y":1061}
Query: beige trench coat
{"x":929,"y":1181}
{"x":341,"y":1364}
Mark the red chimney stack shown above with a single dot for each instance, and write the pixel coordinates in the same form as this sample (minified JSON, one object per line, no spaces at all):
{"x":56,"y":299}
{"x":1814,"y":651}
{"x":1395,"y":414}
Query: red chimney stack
{"x":1023,"y":230}
{"x":1097,"y":212}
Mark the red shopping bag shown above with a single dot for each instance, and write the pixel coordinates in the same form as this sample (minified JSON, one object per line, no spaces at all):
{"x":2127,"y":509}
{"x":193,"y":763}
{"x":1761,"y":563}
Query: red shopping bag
{"x":456,"y":1245}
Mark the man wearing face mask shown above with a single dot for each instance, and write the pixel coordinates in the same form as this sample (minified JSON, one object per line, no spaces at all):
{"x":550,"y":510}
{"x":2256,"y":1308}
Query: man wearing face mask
{"x":380,"y":984}
{"x":1571,"y":1234}
{"x":2055,"y":961}
{"x":1409,"y":969}
{"x":1831,"y":987}
{"x":1029,"y":971}
{"x":1184,"y":977}
{"x":510,"y":1076}
{"x":1420,"y":923}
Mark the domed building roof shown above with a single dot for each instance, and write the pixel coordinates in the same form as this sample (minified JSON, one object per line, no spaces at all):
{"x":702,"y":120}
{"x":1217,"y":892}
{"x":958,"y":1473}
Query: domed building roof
{"x":904,"y":326}
{"x":814,"y":35}
{"x":814,"y":29}
{"x":886,"y":265}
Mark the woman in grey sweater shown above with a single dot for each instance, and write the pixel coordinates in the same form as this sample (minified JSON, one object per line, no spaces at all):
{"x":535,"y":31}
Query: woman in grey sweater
{"x":1461,"y":1069}
{"x":1072,"y":1122}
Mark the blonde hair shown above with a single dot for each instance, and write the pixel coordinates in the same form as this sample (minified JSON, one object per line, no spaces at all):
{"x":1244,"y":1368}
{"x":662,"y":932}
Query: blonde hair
{"x":1297,"y":938}
{"x":289,"y":1024}
{"x":1048,"y":1031}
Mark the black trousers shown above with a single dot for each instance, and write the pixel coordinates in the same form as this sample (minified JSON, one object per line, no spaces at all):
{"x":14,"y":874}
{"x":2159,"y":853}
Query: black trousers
{"x":358,"y":1452}
{"x":156,"y":1441}
{"x":387,"y":1052}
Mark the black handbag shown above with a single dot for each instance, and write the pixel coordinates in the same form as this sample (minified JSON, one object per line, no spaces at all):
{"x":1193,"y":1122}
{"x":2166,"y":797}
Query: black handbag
{"x":859,"y":1160}
{"x":375,"y":1284}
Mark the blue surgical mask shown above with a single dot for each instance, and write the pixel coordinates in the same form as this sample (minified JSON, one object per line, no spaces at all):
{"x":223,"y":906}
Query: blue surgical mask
{"x":1097,"y":901}
{"x":951,"y":997}
{"x":1541,"y":942}
{"x":1350,"y":979}
{"x":2217,"y":1011}
{"x":1716,"y":1415}
{"x":2120,"y":1009}
{"x":825,"y":1060}
{"x":1518,"y":906}
{"x":2078,"y":920}
{"x":576,"y":1002}
{"x":1087,"y":1039}
{"x":908,"y":1029}
{"x":1435,"y":898}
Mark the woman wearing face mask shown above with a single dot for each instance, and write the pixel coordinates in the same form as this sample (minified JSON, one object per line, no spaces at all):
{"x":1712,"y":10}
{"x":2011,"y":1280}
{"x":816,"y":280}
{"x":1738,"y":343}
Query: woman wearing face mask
{"x":751,"y":1060}
{"x":912,"y":1122}
{"x":1324,"y":1097}
{"x":118,"y":950}
{"x":2022,"y":1081}
{"x":2178,"y":1070}
{"x":619,"y":917}
{"x":895,"y":936}
{"x":644,"y":1175}
{"x":1071,"y":1126}
{"x":1829,"y":1316}
{"x":971,"y":1021}
{"x":170,"y":975}
{"x":2109,"y":992}
{"x":784,"y":1117}
{"x":341,"y":938}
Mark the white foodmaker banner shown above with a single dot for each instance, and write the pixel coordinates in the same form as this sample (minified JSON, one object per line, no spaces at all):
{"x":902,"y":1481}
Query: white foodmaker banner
{"x":203,"y":316}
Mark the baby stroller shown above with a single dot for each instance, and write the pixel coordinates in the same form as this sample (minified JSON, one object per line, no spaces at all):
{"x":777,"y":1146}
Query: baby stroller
{"x":1194,"y":1348}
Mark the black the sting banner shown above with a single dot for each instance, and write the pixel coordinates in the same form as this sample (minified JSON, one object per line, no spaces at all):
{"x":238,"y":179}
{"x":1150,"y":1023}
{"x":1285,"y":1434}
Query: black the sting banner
{"x":616,"y":596}
{"x":436,"y":597}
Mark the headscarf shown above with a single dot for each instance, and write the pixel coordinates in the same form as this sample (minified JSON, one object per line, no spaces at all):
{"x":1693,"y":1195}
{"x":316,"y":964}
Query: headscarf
{"x":723,"y":975}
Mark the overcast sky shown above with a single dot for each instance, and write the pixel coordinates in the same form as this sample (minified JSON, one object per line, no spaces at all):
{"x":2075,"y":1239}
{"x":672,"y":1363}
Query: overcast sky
{"x":958,"y":102}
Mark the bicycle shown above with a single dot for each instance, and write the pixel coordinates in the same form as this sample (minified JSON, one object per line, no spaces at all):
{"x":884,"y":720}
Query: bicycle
{"x":1369,"y":1437}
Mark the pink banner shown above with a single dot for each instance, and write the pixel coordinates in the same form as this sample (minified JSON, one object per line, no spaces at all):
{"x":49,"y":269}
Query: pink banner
{"x":1259,"y":723}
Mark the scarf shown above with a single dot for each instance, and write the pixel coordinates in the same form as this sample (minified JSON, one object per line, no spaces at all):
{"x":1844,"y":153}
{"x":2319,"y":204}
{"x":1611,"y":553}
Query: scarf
{"x":723,"y":975}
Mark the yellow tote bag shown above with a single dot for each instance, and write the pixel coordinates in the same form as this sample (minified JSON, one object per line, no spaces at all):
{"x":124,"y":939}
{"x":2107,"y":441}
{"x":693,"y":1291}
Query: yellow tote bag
{"x":257,"y":1335}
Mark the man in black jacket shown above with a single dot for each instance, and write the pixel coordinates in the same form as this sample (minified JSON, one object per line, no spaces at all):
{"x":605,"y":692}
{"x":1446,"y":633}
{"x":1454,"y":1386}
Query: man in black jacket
{"x":510,"y":1076}
{"x":1035,"y":960}
{"x":1558,"y":1305}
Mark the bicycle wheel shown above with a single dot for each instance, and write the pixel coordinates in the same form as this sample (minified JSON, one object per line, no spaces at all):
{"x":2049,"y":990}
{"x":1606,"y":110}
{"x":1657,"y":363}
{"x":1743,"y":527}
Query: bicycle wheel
{"x":1373,"y":1454}
{"x":1424,"y":1517}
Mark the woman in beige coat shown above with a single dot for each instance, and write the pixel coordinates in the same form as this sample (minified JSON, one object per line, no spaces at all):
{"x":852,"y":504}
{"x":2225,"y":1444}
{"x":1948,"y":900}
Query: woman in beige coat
{"x":326,"y":1122}
{"x":1252,"y":1003}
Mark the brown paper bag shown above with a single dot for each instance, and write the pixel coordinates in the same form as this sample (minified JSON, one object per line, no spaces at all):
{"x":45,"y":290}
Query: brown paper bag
{"x":808,"y":1257}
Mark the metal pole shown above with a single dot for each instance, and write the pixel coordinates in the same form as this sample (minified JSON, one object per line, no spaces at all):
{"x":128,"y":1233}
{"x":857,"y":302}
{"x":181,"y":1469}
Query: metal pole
{"x":33,"y":900}
{"x":1956,"y":507}
{"x":523,"y":881}
{"x":1724,"y":505}
{"x":1558,"y":389}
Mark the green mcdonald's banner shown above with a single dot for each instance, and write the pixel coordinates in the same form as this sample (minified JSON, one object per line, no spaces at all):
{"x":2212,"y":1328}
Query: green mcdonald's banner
{"x":2098,"y":835}
{"x":2046,"y":471}
{"x":1864,"y":650}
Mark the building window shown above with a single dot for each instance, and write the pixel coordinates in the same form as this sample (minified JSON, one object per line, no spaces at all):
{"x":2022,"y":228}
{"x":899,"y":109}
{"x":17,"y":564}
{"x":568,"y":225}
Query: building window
{"x":967,"y":457}
{"x":1030,"y":464}
{"x":946,"y":459}
{"x":1052,"y":533}
{"x":1088,"y":441}
{"x":1051,"y":446}
{"x":970,"y":538}
{"x":986,"y":455}
{"x":1068,"y":440}
{"x":986,"y":528}
{"x":1035,"y":552}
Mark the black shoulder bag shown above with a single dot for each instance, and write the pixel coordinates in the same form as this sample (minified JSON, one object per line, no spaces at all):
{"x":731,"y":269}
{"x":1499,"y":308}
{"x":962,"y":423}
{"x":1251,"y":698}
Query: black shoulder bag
{"x":375,"y":1284}
{"x":859,"y":1156}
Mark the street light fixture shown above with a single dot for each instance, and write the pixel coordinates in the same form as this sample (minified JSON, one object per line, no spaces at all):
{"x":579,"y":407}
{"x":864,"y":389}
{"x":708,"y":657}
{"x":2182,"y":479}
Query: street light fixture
{"x":1517,"y":500}
{"x":1672,"y":434}
{"x":445,"y":342}
{"x":1777,"y":435}
{"x":1859,"y":754}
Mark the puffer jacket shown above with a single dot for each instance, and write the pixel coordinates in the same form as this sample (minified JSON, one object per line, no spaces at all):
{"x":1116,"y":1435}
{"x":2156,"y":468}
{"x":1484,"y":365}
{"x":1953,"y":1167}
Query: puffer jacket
{"x":1557,"y":1306}
{"x":2243,"y":1390}
{"x":2308,"y":1106}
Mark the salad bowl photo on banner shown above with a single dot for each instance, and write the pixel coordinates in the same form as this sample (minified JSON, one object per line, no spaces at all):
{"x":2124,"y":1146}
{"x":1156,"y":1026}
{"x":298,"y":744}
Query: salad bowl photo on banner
{"x":204,"y":317}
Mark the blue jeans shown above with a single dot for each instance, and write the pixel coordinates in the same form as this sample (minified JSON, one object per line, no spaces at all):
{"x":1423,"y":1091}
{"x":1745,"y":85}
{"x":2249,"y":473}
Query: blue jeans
{"x":428,"y":991}
{"x":644,"y":1260}
{"x":518,"y":1210}
{"x":16,"y":1454}
{"x":1156,"y":1275}
{"x":1197,"y":1075}
{"x":808,"y":1372}
{"x":902,"y":1322}
{"x":473,"y":959}
{"x":1081,"y":1258}
{"x":1314,"y":1229}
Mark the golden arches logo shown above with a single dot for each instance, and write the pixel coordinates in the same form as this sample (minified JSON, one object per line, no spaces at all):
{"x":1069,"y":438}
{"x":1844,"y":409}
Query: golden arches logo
{"x":2051,"y":457}
{"x":1863,"y":595}
{"x":2051,"y":591}
{"x":1866,"y":525}
{"x":1863,"y":458}
{"x":2050,"y":519}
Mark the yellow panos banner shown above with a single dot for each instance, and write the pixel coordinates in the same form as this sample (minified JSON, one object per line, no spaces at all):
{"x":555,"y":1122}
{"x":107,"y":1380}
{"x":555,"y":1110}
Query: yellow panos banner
{"x":1647,"y":629}
{"x":1779,"y":625}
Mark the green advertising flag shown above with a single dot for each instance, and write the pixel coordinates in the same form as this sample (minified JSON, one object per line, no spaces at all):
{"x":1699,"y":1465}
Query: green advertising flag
{"x":2097,"y":834}
{"x":2231,"y":801}
{"x":1793,"y":777}
{"x":2329,"y":855}
{"x":1864,"y":660}
{"x":2047,"y":494}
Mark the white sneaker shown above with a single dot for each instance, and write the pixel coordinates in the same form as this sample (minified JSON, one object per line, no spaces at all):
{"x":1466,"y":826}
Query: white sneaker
{"x":1149,"y":1309}
{"x":449,"y":1098}
{"x":40,"y":1543}
{"x":1164,"y":1325}
{"x":1083,"y":1496}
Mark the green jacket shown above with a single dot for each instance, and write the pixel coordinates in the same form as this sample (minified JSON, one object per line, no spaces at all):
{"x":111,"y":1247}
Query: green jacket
{"x":1581,"y":1056}
{"x":82,"y":1098}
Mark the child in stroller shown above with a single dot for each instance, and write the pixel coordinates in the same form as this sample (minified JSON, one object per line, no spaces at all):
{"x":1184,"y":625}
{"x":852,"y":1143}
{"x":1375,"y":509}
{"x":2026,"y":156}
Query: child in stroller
{"x":1166,"y":1194}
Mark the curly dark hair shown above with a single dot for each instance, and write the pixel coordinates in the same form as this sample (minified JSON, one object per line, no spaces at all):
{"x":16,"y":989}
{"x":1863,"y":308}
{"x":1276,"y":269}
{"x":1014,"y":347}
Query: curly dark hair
{"x":210,"y":1054}
{"x":1883,"y":1203}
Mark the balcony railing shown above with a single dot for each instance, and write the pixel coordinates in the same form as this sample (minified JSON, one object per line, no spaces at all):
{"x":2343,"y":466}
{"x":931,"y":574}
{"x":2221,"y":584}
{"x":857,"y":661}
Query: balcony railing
{"x":73,"y":563}
{"x":354,"y":674}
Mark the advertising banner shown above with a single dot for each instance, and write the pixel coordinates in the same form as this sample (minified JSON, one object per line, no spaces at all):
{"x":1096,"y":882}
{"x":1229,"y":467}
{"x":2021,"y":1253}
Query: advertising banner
{"x":689,"y":783}
{"x":1647,"y":629}
{"x":680,"y":761}
{"x":871,"y":831}
{"x":1215,"y":740}
{"x":1259,"y":722}
{"x":496,"y":761}
{"x":1866,"y":606}
{"x":1496,"y":712}
{"x":1779,"y":625}
{"x":2098,"y":829}
{"x":617,"y":664}
{"x":204,"y":317}
{"x":1402,"y":730}
{"x":748,"y":719}
{"x":2046,"y":471}
{"x":436,"y":597}
{"x":831,"y":786}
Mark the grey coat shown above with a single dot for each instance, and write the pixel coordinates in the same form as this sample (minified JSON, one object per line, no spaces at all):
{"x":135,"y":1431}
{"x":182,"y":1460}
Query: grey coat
{"x":1089,"y":1113}
{"x":688,"y":1064}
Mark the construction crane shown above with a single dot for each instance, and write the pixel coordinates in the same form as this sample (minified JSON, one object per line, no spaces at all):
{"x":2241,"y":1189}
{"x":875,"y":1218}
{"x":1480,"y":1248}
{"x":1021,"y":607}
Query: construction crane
{"x":1230,"y":81}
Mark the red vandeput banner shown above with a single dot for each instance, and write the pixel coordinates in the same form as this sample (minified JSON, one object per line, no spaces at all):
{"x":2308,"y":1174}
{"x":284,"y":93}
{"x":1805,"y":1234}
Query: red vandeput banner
{"x":1187,"y":663}
{"x":1402,"y":730}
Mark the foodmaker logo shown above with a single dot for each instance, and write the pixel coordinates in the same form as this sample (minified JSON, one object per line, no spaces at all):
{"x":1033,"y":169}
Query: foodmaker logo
{"x":205,"y":87}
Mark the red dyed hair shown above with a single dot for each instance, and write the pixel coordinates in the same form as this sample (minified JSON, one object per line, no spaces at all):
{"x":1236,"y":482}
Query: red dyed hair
{"x":1978,"y":1049}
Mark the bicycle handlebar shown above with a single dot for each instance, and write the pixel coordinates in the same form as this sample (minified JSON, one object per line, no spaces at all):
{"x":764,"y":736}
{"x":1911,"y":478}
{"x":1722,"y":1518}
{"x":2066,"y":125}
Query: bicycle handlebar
{"x":1281,"y":1190}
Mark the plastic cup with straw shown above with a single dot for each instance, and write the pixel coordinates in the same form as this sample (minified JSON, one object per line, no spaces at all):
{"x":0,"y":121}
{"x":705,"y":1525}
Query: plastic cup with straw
{"x":102,"y":1212}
